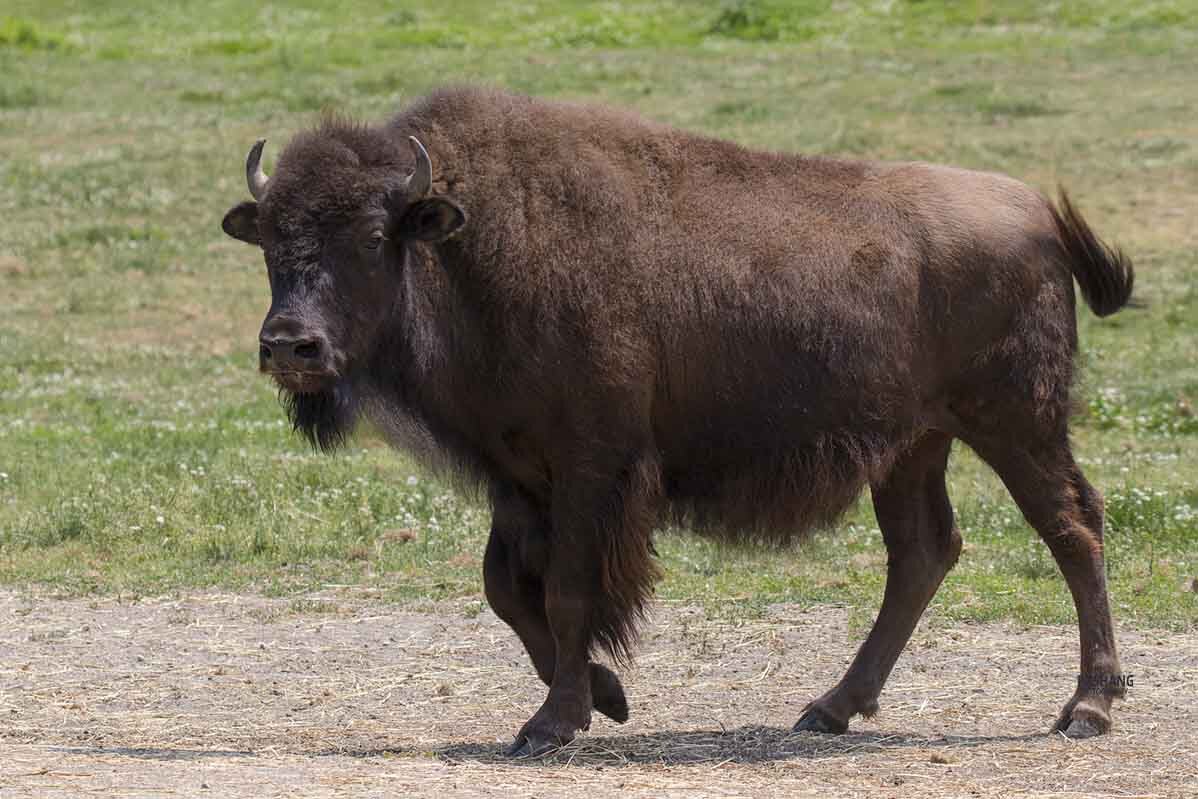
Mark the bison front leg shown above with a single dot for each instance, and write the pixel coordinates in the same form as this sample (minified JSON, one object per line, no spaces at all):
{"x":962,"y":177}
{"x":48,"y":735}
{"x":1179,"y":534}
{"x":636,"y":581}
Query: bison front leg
{"x":567,"y":709}
{"x":598,"y":574}
{"x":513,"y":573}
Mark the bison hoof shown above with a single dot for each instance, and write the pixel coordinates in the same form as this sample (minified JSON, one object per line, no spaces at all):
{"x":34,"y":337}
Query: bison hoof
{"x":531,"y":745}
{"x":532,"y":742}
{"x":608,"y":693}
{"x":1084,"y":717}
{"x":1082,"y":728}
{"x":546,"y":732}
{"x":1081,"y":721}
{"x":816,"y":720}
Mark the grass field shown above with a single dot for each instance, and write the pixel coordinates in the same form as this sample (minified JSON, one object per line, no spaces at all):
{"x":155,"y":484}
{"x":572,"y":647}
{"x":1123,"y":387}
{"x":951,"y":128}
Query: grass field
{"x":140,"y":453}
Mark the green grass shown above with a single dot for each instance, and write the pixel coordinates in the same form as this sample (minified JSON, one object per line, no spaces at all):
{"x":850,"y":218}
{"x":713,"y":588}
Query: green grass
{"x":140,"y":452}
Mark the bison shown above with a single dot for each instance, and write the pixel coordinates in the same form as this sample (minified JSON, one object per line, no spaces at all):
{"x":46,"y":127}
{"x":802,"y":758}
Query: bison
{"x":608,"y":325}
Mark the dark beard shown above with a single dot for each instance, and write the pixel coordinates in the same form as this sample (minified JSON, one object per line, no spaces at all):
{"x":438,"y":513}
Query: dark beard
{"x":325,"y":418}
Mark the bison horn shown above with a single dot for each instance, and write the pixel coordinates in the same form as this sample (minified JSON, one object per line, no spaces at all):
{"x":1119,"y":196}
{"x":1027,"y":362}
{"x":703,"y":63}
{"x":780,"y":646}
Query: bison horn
{"x":421,"y":179}
{"x":254,"y":175}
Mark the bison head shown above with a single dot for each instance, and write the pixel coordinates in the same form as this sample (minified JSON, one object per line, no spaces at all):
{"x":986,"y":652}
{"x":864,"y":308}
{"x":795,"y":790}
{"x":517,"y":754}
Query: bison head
{"x":335,"y":224}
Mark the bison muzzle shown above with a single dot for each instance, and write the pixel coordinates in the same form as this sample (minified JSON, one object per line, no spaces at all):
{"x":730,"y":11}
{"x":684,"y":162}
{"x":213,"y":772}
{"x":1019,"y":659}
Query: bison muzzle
{"x":610,"y":325}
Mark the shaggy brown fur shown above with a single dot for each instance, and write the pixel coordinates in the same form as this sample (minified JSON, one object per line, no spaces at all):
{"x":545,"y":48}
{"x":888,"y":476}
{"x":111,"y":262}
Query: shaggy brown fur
{"x":636,"y":324}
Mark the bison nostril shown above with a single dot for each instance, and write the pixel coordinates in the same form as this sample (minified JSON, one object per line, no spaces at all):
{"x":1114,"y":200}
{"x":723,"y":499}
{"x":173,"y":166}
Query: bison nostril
{"x":307,"y":349}
{"x":264,"y":352}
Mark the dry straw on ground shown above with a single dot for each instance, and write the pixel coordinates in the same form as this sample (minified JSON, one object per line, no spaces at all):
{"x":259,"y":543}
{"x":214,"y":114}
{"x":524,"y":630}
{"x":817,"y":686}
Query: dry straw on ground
{"x":218,"y":695}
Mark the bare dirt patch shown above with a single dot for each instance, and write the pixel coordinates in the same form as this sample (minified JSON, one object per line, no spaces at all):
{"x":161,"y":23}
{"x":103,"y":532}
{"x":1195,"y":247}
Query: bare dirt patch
{"x":224,"y":695}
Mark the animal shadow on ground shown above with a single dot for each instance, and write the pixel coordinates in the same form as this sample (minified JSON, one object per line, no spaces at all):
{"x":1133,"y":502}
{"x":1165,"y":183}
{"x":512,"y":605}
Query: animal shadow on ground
{"x":746,"y":745}
{"x":749,"y":744}
{"x":154,"y":753}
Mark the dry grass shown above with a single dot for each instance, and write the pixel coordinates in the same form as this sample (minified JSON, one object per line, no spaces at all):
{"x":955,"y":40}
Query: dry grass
{"x":339,"y":696}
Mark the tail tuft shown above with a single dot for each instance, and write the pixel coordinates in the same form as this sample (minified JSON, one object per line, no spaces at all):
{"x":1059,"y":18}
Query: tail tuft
{"x":1103,"y":273}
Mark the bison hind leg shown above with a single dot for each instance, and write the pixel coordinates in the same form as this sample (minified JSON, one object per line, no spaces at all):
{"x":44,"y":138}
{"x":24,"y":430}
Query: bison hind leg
{"x":922,"y":544}
{"x":1057,"y":500}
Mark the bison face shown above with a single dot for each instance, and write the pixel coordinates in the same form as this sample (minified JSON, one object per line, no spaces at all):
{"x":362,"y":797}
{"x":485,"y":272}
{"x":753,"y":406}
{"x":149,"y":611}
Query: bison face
{"x":335,"y":278}
{"x":329,"y":298}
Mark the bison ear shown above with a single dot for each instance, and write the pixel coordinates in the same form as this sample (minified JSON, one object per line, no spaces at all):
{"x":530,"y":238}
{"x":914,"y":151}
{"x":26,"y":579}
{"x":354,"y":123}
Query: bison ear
{"x":430,"y":219}
{"x":242,"y":222}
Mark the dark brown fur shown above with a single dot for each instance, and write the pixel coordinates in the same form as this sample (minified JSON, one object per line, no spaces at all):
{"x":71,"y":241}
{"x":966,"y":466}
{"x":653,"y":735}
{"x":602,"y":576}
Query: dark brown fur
{"x":637,"y":325}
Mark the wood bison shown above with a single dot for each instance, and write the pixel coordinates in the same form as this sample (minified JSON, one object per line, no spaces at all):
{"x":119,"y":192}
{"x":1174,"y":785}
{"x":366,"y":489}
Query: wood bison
{"x":609,"y":324}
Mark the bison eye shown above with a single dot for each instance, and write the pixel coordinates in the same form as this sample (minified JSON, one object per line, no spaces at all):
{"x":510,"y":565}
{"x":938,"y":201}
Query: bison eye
{"x":374,"y":239}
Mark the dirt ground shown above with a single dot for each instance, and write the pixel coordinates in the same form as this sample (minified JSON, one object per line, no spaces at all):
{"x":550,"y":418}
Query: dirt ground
{"x":338,"y":696}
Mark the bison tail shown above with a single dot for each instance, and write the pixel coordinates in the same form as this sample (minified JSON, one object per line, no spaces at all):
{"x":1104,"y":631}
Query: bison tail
{"x":1103,"y":273}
